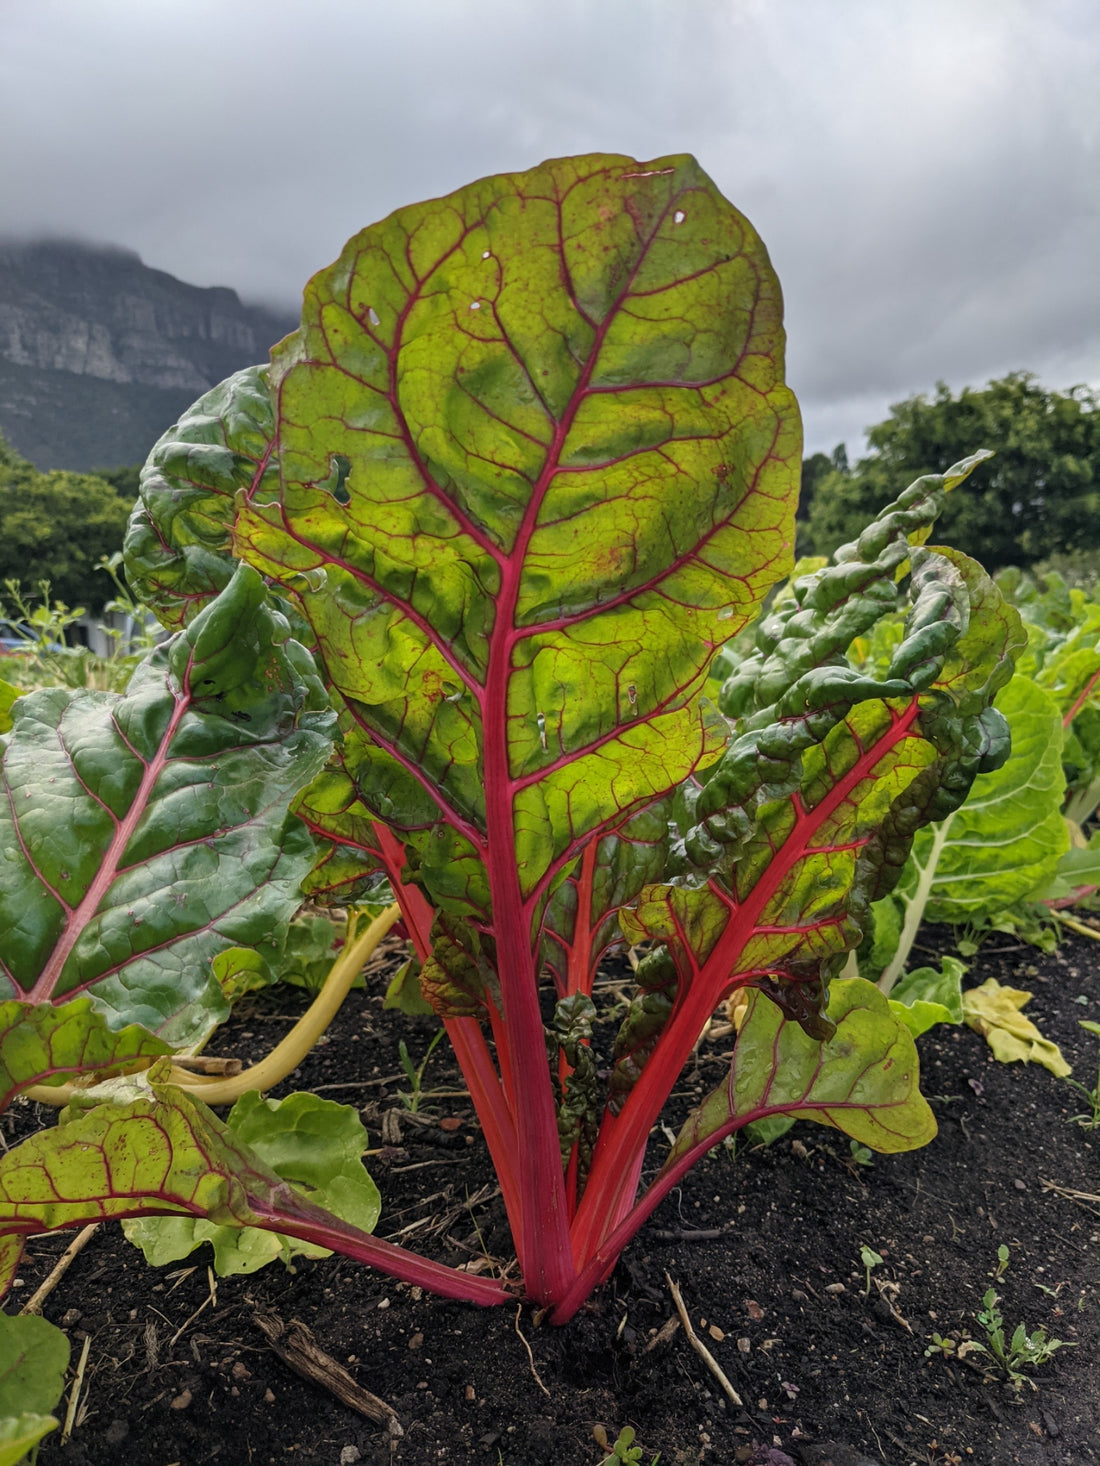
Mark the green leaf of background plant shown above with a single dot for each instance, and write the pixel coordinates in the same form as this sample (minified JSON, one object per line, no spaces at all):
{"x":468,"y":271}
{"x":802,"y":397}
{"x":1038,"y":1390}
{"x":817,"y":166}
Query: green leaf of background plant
{"x":144,"y":832}
{"x":927,"y":996}
{"x":20,"y":1433}
{"x":1009,"y":835}
{"x":34,"y":1356}
{"x":311,"y":1141}
{"x":1076,"y":868}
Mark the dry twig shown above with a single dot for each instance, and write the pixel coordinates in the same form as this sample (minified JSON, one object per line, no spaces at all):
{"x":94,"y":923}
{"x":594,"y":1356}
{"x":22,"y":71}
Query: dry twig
{"x":295,"y":1346}
{"x":211,"y":1297}
{"x":74,"y":1393}
{"x":61,"y":1267}
{"x":700,"y":1348}
{"x":1070,"y":1195}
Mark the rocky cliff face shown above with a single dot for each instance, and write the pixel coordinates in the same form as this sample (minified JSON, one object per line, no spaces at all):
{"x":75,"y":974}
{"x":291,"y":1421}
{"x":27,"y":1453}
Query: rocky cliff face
{"x":99,"y":353}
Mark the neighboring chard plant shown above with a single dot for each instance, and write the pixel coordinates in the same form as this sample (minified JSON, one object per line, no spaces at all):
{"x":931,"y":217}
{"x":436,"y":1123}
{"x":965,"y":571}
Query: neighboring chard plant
{"x":528,"y":463}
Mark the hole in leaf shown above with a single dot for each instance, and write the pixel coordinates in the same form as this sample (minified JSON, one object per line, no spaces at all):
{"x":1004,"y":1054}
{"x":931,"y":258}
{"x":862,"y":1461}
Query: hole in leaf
{"x":373,"y":316}
{"x":339,"y":468}
{"x":541,"y":721}
{"x":679,"y":216}
{"x":632,"y":693}
{"x":475,"y":305}
{"x":486,"y":254}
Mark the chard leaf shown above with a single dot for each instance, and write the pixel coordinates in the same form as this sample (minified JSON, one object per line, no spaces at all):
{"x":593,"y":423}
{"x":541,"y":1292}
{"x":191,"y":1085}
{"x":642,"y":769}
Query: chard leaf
{"x":927,"y":996}
{"x":45,"y":1044}
{"x":863,"y":1081}
{"x":160,"y":1154}
{"x":178,"y":544}
{"x":143,"y":833}
{"x":34,"y":1356}
{"x":487,"y":428}
{"x":313,"y":1142}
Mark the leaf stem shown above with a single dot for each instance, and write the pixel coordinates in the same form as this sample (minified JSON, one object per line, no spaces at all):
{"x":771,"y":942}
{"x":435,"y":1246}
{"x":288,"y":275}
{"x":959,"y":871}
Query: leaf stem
{"x":286,"y":1055}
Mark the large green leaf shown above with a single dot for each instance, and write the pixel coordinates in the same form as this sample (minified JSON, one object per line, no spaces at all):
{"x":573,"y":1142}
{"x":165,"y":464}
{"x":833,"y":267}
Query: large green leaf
{"x":142,"y":833}
{"x":34,"y":1356}
{"x":313,"y":1142}
{"x":863,"y":1081}
{"x":536,"y":461}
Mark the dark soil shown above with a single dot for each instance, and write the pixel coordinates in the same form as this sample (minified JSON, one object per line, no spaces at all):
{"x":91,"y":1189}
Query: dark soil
{"x":764,"y":1243}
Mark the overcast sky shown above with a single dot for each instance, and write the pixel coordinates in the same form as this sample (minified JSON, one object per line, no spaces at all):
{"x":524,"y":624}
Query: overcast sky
{"x":925,"y":173}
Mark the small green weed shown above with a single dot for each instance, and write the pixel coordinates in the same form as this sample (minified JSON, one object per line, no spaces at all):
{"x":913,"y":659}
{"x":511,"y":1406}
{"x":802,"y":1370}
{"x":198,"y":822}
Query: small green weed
{"x":411,"y":1098}
{"x":1090,"y":1120}
{"x":1019,"y":1354}
{"x":870,"y":1259}
{"x":624,"y":1452}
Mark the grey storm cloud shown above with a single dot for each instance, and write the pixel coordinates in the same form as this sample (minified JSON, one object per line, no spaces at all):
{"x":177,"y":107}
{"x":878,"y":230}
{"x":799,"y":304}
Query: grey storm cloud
{"x":924,"y":173}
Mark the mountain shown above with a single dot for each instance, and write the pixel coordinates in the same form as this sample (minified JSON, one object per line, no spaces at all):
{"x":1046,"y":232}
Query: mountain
{"x":99,"y":354}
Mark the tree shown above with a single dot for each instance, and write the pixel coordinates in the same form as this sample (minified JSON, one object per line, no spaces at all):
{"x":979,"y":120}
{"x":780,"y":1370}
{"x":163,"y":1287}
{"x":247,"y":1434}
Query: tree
{"x":1039,"y":496}
{"x":814,"y":469}
{"x":55,"y":526}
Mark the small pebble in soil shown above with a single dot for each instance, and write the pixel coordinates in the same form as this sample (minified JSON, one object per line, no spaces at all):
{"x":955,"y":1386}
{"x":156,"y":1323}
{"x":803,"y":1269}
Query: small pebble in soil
{"x":349,"y":1455}
{"x":182,"y":1400}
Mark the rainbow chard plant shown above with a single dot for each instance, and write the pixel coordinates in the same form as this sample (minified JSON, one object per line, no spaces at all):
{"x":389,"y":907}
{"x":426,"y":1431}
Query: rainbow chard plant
{"x":527,"y":465}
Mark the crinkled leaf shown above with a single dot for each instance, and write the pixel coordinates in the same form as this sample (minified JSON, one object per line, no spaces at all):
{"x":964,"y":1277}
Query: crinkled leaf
{"x":313,"y":1142}
{"x":810,"y":812}
{"x":43,"y":1044}
{"x":144,"y":832}
{"x":34,"y":1356}
{"x":19,"y":1433}
{"x":927,"y":996}
{"x":994,"y":1012}
{"x":179,"y":542}
{"x":458,"y":979}
{"x":486,"y":429}
{"x":863,"y":1081}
